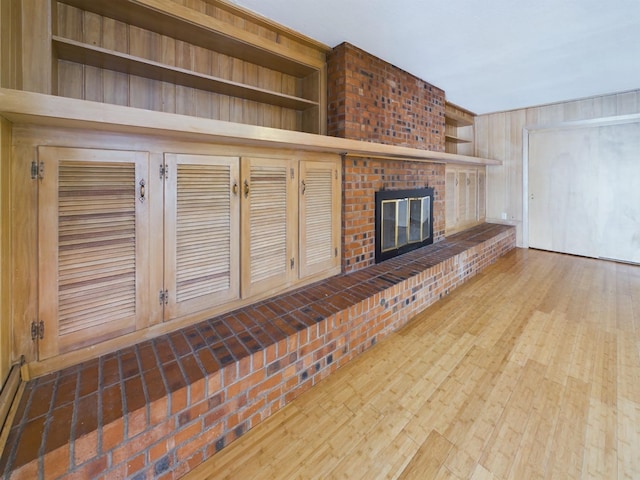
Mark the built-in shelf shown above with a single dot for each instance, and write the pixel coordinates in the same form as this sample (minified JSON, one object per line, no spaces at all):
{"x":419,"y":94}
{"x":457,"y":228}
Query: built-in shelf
{"x":456,"y":116}
{"x":188,"y":25}
{"x":49,"y":110}
{"x":78,"y":52}
{"x":458,"y":129}
{"x":453,"y":139}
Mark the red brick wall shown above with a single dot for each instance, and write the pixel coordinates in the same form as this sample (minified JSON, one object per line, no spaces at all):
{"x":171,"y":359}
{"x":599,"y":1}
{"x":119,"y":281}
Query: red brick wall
{"x":372,"y":100}
{"x":361,"y":179}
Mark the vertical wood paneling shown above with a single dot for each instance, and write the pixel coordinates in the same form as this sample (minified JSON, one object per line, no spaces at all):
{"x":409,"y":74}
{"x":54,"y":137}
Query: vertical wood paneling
{"x":10,"y":47}
{"x":517,"y":121}
{"x":499,"y":136}
{"x":451,"y":199}
{"x":5,"y":250}
{"x":36,"y":46}
{"x":482,"y":194}
{"x":24,"y":275}
{"x":627,"y":103}
{"x":115,"y":36}
{"x":496,"y":177}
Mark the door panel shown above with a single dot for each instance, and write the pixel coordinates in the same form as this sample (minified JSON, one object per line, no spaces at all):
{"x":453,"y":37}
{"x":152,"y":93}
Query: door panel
{"x":201,"y":232}
{"x":93,"y":213}
{"x":583,"y":191}
{"x":269,"y":224}
{"x":482,"y":194}
{"x":451,"y":198}
{"x":619,"y":192}
{"x":319,"y":217}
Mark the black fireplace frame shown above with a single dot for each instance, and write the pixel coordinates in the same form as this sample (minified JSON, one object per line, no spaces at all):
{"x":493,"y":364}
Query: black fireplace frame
{"x":382,"y":195}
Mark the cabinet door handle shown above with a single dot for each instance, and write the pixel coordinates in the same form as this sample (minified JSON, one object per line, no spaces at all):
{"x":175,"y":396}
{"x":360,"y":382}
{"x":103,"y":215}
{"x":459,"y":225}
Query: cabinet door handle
{"x":304,"y":187}
{"x":142,"y":190}
{"x":234,"y":189}
{"x":246,"y":189}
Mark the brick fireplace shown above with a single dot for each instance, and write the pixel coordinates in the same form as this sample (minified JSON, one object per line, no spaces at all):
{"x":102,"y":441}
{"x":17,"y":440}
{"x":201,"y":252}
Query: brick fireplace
{"x":372,"y":100}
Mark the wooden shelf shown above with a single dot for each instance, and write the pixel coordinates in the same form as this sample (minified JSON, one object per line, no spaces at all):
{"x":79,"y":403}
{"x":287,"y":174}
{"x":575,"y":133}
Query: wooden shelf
{"x":456,"y":116}
{"x":453,"y":139}
{"x":39,"y":109}
{"x":188,"y":25}
{"x":111,"y":60}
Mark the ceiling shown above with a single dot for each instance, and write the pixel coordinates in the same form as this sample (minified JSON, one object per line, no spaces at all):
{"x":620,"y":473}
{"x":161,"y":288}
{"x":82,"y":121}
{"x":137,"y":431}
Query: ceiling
{"x":487,"y":56}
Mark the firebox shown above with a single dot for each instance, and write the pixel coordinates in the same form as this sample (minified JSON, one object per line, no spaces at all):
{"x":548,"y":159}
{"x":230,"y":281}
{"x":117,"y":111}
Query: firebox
{"x":404,"y":221}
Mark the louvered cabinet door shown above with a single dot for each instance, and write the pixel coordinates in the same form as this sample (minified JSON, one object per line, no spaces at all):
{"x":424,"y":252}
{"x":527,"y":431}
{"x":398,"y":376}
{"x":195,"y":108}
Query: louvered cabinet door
{"x":482,"y":194}
{"x":462,"y":200}
{"x":472,"y":197}
{"x":451,"y":199}
{"x":269,"y":224}
{"x":319,"y":223}
{"x":202,"y":221}
{"x":93,"y":243}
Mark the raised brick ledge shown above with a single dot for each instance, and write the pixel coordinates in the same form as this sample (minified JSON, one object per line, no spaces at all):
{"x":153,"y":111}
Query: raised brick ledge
{"x":159,"y":408}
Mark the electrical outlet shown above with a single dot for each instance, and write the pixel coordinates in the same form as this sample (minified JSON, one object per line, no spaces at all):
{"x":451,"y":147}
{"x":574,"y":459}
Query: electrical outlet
{"x":504,"y":215}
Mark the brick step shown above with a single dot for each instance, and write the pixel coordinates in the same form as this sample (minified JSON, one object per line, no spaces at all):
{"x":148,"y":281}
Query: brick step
{"x":159,"y":408}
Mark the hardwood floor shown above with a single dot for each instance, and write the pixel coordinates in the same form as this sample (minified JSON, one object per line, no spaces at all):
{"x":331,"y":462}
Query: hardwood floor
{"x":531,"y":370}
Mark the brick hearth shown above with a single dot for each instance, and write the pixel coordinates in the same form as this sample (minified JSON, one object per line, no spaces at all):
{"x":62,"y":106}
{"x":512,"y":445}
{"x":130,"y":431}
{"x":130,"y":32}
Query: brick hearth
{"x":159,"y":408}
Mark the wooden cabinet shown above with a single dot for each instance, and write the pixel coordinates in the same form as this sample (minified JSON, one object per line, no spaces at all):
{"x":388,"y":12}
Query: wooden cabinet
{"x":269,"y":224}
{"x":201,"y":232}
{"x":465,"y":197}
{"x":459,"y":133}
{"x":291,"y":221}
{"x":131,"y":239}
{"x":203,"y":58}
{"x":94,"y":233}
{"x":319,"y":216}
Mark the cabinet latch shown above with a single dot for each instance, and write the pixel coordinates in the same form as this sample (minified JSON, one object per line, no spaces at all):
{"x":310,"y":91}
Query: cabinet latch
{"x":37,"y":330}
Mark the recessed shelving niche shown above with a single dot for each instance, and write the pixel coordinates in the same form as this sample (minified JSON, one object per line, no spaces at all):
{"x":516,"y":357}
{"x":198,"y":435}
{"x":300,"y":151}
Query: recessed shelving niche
{"x":164,"y":56}
{"x":458,"y":130}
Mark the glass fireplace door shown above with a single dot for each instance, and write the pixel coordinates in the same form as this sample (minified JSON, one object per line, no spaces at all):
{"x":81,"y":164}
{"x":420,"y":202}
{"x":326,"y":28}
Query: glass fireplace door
{"x":403,"y":221}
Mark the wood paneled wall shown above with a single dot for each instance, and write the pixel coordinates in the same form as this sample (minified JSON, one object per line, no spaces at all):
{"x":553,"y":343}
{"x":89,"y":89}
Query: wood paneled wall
{"x":10,"y":28}
{"x":5,"y":251}
{"x":500,"y":136}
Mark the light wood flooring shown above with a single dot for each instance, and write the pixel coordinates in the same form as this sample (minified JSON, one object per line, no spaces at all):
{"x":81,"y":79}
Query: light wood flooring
{"x":531,"y":370}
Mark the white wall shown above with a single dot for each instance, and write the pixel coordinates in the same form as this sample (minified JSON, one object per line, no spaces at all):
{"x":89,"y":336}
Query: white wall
{"x":500,"y":136}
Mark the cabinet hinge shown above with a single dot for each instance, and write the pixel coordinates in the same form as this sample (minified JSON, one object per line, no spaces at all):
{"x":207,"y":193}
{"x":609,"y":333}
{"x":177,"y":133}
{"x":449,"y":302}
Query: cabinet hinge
{"x":37,"y":170}
{"x":164,"y":297}
{"x":164,"y":171}
{"x":335,"y":252}
{"x":37,"y":330}
{"x":336,"y":172}
{"x":293,"y":263}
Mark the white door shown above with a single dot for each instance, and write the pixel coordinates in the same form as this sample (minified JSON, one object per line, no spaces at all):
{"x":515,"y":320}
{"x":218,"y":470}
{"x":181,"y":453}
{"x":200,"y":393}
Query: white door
{"x":619,"y":213}
{"x":584,"y":187}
